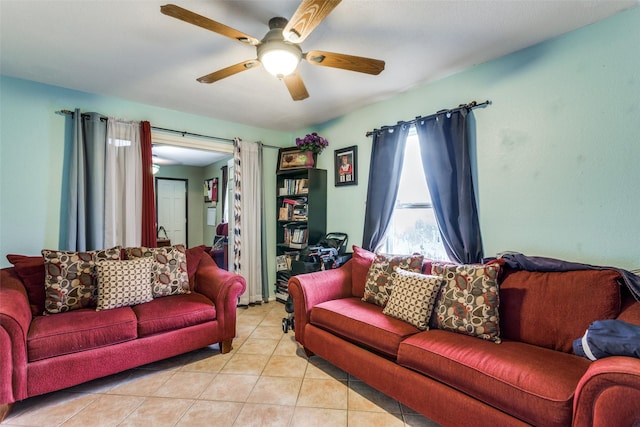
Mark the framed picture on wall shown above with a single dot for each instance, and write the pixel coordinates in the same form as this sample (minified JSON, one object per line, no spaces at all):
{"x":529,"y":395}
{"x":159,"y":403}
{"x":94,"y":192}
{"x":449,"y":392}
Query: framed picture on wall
{"x":211,"y":190}
{"x":346,"y":166}
{"x":294,"y":158}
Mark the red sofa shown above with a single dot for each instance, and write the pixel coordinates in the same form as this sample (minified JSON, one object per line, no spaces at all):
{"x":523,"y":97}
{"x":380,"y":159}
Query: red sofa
{"x":531,"y":378}
{"x":44,"y":353}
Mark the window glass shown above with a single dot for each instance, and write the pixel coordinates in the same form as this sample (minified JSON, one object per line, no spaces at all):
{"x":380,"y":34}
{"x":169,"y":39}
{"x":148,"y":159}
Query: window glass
{"x":413,"y":225}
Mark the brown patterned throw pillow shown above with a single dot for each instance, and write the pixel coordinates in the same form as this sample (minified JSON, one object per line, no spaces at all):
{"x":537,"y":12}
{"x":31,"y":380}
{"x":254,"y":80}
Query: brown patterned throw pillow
{"x":70,"y":278}
{"x":124,"y":283}
{"x":468,"y":300}
{"x":169,"y":269}
{"x":413,"y":298}
{"x":382,"y":272}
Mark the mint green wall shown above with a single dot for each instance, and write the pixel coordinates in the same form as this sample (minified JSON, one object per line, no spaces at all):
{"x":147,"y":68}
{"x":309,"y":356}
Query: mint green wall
{"x":31,"y":155}
{"x":558,"y":150}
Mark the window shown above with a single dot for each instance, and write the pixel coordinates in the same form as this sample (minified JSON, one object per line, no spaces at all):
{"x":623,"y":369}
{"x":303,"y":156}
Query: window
{"x":413,"y":226}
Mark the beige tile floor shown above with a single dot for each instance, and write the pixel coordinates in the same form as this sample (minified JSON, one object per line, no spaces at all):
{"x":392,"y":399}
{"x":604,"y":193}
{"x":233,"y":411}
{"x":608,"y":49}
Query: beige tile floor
{"x":266,"y":380}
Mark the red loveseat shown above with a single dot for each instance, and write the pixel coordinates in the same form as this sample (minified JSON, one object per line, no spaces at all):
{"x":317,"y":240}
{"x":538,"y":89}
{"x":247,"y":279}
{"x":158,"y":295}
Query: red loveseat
{"x":43,"y":353}
{"x":531,"y":378}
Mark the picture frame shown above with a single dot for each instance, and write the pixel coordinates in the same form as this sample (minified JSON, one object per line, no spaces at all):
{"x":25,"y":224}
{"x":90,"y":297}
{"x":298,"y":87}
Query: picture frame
{"x":294,"y":158}
{"x":346,"y":166}
{"x":210,"y":190}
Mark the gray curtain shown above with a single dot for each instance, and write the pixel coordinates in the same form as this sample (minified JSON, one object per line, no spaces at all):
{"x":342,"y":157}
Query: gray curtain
{"x":387,"y":157}
{"x":444,"y":146}
{"x":85,"y":184}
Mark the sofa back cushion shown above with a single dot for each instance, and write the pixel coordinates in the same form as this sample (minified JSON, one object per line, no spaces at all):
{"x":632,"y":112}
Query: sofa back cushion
{"x":30,"y":269}
{"x":551,"y":309}
{"x":360,"y":263}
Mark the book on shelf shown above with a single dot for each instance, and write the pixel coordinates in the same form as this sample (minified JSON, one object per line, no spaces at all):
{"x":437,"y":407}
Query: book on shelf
{"x":294,"y":233}
{"x":294,"y":186}
{"x":282,"y":264}
{"x":293,"y":209}
{"x":282,"y":296}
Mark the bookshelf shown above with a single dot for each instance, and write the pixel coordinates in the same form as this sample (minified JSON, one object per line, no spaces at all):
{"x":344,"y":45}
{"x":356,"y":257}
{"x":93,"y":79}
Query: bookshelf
{"x":301,"y":203}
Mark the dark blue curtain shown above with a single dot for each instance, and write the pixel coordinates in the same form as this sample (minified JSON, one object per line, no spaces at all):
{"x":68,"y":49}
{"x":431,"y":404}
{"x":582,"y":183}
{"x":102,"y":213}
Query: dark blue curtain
{"x":387,"y":157}
{"x":84,"y":190}
{"x":444,"y":148}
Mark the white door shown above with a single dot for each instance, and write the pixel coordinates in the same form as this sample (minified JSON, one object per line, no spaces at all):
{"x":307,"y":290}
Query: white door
{"x":171,"y":196}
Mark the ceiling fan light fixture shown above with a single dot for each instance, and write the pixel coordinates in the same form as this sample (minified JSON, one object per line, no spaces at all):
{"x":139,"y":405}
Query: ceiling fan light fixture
{"x":279,"y":58}
{"x":155,"y":168}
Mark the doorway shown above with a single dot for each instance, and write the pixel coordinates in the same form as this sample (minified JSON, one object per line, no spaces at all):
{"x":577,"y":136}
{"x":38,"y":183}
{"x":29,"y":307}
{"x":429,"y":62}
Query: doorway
{"x":172,"y":210}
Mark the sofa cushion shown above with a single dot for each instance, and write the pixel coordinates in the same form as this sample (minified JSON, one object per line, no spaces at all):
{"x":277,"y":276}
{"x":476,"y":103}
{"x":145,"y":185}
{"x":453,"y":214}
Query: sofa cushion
{"x":533,"y":383}
{"x":413,"y":297}
{"x":382,"y":273}
{"x":70,"y":278}
{"x":30,"y":269}
{"x":79,"y":330}
{"x":123,"y":283}
{"x":551,"y":309}
{"x":174,"y":312}
{"x":360,"y":262}
{"x":194,"y":255}
{"x":468,"y":300}
{"x":362,"y":323}
{"x":170,"y":269}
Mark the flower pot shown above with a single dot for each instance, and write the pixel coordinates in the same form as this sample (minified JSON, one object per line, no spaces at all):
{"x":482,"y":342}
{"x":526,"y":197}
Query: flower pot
{"x":311,"y":160}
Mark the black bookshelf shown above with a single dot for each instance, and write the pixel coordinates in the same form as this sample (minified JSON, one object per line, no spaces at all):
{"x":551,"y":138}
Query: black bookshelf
{"x":301,"y":216}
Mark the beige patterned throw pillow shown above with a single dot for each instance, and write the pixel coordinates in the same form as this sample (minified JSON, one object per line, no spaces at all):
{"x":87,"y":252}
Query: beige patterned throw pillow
{"x":381,"y":273}
{"x":70,"y":278}
{"x":170,"y":275}
{"x":124,"y":283}
{"x":413,"y":297}
{"x":468,"y":300}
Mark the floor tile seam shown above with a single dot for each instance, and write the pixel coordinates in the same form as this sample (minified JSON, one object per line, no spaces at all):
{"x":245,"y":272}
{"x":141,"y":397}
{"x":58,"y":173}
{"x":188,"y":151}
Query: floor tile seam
{"x":144,"y":398}
{"x":186,"y":411}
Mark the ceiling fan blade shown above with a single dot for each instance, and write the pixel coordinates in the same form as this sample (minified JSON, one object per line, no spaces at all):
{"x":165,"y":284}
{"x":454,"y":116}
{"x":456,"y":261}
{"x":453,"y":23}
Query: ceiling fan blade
{"x":296,"y":86}
{"x":229,"y":71}
{"x":309,"y":14}
{"x":345,"y":62}
{"x":208,"y":24}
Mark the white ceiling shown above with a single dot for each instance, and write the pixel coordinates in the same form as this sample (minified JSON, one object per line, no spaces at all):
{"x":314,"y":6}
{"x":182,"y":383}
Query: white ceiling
{"x":129,"y":50}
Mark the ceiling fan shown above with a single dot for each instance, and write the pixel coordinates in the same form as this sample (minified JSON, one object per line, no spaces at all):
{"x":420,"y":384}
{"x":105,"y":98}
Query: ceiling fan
{"x":279,"y":51}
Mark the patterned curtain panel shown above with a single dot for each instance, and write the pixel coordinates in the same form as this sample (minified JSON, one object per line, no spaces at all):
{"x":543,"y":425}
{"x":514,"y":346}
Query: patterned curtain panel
{"x":247,"y":221}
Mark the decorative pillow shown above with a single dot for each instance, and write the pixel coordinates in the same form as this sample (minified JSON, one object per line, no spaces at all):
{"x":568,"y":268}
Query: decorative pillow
{"x":124,"y":283}
{"x":413,"y":298}
{"x":169,"y":269}
{"x":30,"y":269}
{"x":70,"y":278}
{"x":382,"y":273}
{"x":468,"y":300}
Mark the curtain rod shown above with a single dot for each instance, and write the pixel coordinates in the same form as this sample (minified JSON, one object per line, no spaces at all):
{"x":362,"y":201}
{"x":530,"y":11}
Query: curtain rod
{"x":470,"y":106}
{"x":181,"y":132}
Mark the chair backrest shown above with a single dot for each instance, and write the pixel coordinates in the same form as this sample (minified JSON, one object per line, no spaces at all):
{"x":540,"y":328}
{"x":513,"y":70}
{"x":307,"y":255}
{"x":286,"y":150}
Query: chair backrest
{"x":222,"y":229}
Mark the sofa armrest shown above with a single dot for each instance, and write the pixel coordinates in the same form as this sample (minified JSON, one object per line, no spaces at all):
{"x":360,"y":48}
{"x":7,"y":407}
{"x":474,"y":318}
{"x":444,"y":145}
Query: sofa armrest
{"x":311,"y":289}
{"x":15,"y":318}
{"x":223,"y":288}
{"x":606,"y":393}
